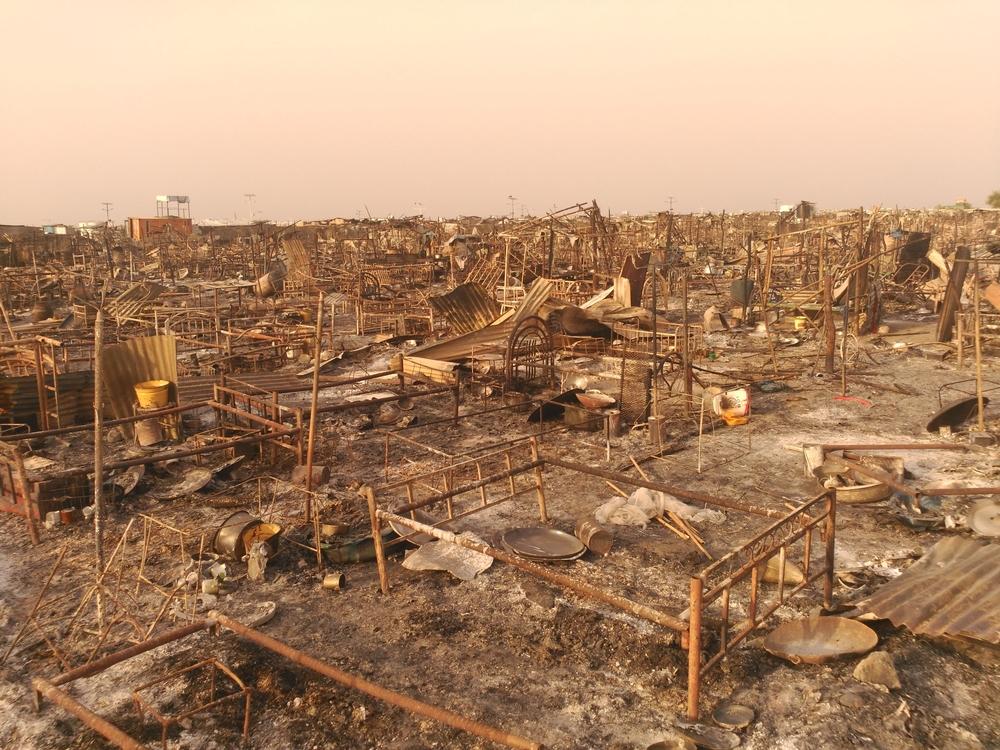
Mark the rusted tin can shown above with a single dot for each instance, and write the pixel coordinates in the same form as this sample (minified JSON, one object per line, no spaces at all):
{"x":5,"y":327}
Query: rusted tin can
{"x":594,"y":536}
{"x":334,"y":581}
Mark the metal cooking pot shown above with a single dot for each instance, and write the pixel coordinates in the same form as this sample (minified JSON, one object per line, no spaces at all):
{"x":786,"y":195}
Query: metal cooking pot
{"x":238,"y":529}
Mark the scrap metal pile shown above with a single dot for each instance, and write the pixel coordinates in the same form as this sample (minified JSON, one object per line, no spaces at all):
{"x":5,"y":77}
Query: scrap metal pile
{"x":189,"y":418}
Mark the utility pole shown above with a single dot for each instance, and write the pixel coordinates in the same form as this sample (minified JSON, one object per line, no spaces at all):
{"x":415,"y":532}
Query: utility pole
{"x":250,"y":197}
{"x":512,"y":200}
{"x":670,"y":201}
{"x":107,"y":212}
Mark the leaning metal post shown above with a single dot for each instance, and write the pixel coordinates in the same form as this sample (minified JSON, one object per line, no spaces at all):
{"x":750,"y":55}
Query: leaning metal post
{"x":694,"y":647}
{"x":383,"y":575}
{"x":830,"y":533}
{"x":539,"y":482}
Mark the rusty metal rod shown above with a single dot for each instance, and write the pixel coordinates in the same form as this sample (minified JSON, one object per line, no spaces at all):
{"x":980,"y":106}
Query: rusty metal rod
{"x":412,"y":705}
{"x":168,"y":636}
{"x":247,"y":415}
{"x":99,"y":724}
{"x":439,"y":496}
{"x":960,"y":490}
{"x":871,"y":472}
{"x":156,"y":458}
{"x":892,"y":447}
{"x":107,"y":423}
{"x":583,"y":589}
{"x":694,"y":648}
{"x":313,"y":404}
{"x":799,"y":514}
{"x":661,"y":487}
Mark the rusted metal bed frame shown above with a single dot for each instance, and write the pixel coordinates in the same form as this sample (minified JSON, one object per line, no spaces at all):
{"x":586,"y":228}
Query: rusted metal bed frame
{"x":711,"y":586}
{"x":54,"y":689}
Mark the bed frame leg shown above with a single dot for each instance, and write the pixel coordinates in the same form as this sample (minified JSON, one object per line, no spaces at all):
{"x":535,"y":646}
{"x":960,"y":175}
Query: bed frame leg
{"x":694,"y":649}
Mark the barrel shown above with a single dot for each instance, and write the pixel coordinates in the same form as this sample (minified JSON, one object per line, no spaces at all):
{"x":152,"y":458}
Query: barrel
{"x":741,"y":290}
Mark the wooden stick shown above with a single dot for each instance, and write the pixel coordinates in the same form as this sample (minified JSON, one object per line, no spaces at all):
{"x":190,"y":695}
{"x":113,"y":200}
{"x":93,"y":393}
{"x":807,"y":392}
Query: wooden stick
{"x":660,"y":520}
{"x":687,"y":527}
{"x":694,"y":538}
{"x":638,"y":468}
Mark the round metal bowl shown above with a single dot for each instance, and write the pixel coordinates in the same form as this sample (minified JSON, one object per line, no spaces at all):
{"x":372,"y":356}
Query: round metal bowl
{"x":540,"y":544}
{"x":815,"y":640}
{"x":594,"y":399}
{"x":857,"y":494}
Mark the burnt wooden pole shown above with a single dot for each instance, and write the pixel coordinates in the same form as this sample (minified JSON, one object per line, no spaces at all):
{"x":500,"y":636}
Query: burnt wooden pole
{"x":980,"y":401}
{"x":99,"y":461}
{"x":830,"y":336}
{"x":686,"y":346}
{"x":552,"y":246}
{"x":317,"y":349}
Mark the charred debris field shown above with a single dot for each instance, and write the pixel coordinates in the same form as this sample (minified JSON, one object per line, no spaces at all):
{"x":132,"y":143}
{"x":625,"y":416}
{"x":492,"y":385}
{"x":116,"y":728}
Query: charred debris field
{"x":567,"y":481}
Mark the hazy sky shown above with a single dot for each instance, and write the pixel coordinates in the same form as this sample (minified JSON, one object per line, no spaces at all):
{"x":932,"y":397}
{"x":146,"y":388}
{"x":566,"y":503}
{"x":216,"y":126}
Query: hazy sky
{"x":322,"y":108}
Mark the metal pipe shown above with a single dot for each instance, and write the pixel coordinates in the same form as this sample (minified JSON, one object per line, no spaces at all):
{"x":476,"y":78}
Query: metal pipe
{"x":892,"y":447}
{"x":99,"y":724}
{"x":310,"y":444}
{"x":368,"y":687}
{"x":248,"y":415}
{"x":110,"y":660}
{"x":830,"y":532}
{"x":156,"y":458}
{"x":871,"y":472}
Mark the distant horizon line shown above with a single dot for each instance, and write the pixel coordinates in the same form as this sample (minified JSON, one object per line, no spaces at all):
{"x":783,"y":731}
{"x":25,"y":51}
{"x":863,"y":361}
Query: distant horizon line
{"x":246,"y":221}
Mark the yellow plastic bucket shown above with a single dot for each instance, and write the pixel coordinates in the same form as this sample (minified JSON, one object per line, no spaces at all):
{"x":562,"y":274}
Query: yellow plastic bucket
{"x":152,"y":394}
{"x":800,"y":322}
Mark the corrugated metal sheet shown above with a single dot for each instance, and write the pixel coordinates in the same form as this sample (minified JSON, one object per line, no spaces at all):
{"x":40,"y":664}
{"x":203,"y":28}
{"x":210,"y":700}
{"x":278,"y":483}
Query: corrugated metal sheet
{"x":462,"y":347}
{"x":19,"y":399}
{"x":468,"y":307}
{"x":136,"y":360}
{"x":298,"y":263}
{"x":195,"y":388}
{"x":952,"y":590}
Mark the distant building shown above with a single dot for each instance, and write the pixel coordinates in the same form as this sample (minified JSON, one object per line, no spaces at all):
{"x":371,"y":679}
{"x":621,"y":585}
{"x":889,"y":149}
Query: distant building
{"x":141,"y":229}
{"x":173,"y":214}
{"x":801,"y":210}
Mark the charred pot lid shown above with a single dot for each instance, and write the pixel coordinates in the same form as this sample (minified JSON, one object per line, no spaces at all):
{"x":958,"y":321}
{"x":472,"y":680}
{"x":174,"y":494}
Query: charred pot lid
{"x":540,"y":543}
{"x":984,"y":518}
{"x":815,"y":640}
{"x":415,"y":537}
{"x":955,"y":413}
